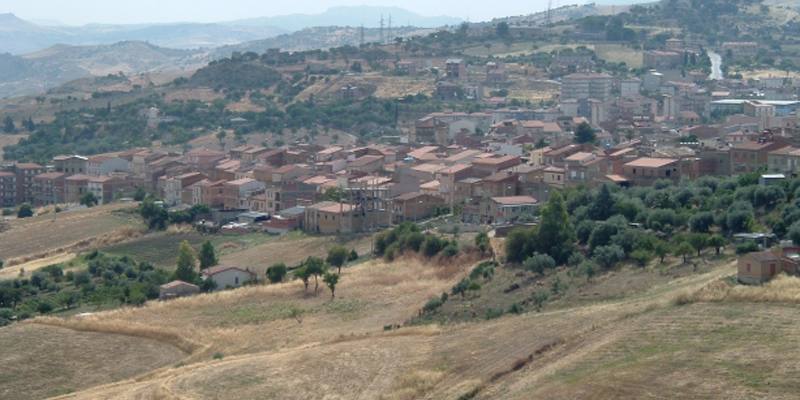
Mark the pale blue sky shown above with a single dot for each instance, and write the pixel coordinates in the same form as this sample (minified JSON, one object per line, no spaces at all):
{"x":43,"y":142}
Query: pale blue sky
{"x":75,"y":12}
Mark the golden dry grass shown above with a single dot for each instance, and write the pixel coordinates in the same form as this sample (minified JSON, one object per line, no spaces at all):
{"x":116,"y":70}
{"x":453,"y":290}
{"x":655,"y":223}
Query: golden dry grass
{"x":42,"y":361}
{"x":277,"y":342}
{"x":782,"y":289}
{"x":52,"y":234}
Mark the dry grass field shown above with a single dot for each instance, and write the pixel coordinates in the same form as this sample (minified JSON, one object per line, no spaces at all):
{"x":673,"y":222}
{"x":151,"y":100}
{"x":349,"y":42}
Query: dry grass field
{"x":74,"y":360}
{"x":278,"y":342}
{"x":67,"y":232}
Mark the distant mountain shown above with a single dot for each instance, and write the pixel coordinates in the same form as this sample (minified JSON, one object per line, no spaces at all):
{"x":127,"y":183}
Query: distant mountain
{"x":18,"y":36}
{"x":367,"y":16}
{"x":37,"y":72}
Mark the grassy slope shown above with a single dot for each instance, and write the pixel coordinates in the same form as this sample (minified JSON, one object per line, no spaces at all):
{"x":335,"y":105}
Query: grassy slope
{"x":627,"y":339}
{"x":49,"y":361}
{"x":53,"y":234}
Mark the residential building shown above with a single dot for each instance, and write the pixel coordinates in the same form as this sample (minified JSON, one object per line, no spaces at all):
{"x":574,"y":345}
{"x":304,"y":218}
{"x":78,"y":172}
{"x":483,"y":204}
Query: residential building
{"x":25,"y":173}
{"x":70,"y":165}
{"x":585,"y":86}
{"x":236,"y":193}
{"x":105,"y":165}
{"x":330,"y":218}
{"x":502,"y":210}
{"x":175,"y":289}
{"x":760,"y":267}
{"x":225,"y":277}
{"x":645,"y":171}
{"x":49,"y":188}
{"x":8,"y":189}
{"x":75,"y":187}
{"x":414,"y":206}
{"x":751,"y":156}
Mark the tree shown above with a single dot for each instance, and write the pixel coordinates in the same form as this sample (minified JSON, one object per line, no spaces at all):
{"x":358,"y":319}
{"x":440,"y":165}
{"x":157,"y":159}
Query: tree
{"x":602,"y":206}
{"x":8,"y":125}
{"x":642,"y":257}
{"x":331,"y":280}
{"x":337,"y":256}
{"x":585,"y":133}
{"x":717,"y":242}
{"x":139,"y":194}
{"x":353,"y":256}
{"x":89,"y":200}
{"x":186,"y":263}
{"x":698,"y":241}
{"x":207,"y":256}
{"x":315,"y":267}
{"x":555,"y":236}
{"x":154,"y":215}
{"x":303,"y":274}
{"x":518,"y":244}
{"x":276,"y":273}
{"x":661,"y":250}
{"x":25,"y":211}
{"x":684,"y":250}
{"x":608,"y":256}
{"x":701,"y":222}
{"x":1,"y":264}
{"x":502,"y":29}
{"x":482,"y":242}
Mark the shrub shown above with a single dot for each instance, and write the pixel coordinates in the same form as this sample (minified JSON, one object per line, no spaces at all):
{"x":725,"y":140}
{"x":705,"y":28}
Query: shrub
{"x":642,"y":257}
{"x":608,"y":256}
{"x":747,"y":247}
{"x":539,"y":263}
{"x":432,"y":305}
{"x":277,"y":272}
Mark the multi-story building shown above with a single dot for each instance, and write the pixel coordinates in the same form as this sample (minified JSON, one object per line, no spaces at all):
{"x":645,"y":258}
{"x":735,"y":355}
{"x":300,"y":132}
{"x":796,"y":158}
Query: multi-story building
{"x":752,"y":156}
{"x":587,"y":86}
{"x":70,"y":164}
{"x":8,"y":189}
{"x":49,"y":188}
{"x":235,"y":193}
{"x":25,"y":173}
{"x":645,"y":171}
{"x":456,"y":69}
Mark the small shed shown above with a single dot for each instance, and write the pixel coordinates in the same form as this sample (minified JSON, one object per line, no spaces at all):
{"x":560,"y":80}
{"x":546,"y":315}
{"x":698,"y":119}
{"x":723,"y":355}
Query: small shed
{"x":177,"y":289}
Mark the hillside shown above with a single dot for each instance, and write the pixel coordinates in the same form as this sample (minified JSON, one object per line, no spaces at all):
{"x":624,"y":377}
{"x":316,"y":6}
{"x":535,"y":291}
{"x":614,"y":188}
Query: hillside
{"x":38,"y":72}
{"x":18,"y":36}
{"x":276,"y":341}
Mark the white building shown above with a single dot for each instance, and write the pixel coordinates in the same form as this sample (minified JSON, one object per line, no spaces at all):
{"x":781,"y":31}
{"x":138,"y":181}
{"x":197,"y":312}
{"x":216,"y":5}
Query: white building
{"x":229,"y":277}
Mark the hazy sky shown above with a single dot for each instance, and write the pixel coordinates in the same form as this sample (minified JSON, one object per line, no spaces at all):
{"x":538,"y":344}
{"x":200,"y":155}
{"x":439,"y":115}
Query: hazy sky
{"x":76,"y":12}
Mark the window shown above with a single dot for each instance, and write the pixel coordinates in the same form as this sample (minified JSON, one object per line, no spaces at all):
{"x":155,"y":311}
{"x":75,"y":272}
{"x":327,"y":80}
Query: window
{"x":236,"y":280}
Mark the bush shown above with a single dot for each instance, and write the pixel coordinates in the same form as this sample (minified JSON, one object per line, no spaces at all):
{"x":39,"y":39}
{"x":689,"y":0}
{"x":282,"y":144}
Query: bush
{"x":25,"y":211}
{"x":353,"y":256}
{"x":539,"y":263}
{"x":277,"y":272}
{"x":608,"y":256}
{"x":432,"y":305}
{"x":642,"y":257}
{"x":747,"y":247}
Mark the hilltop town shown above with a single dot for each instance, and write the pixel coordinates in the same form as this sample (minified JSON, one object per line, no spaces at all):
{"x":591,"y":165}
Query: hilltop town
{"x":587,"y":202}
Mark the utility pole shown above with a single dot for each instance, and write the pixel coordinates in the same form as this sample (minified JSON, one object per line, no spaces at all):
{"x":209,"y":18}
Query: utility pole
{"x":361,"y":36}
{"x":383,"y":40}
{"x":390,"y":38}
{"x":549,"y":12}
